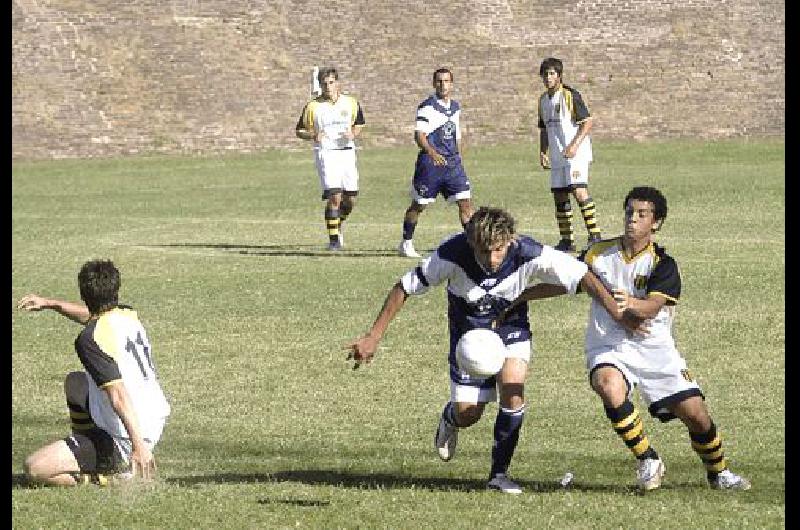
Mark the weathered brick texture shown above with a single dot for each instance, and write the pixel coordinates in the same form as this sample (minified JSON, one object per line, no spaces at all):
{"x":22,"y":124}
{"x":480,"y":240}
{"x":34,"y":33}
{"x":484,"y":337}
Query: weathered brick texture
{"x":107,"y":78}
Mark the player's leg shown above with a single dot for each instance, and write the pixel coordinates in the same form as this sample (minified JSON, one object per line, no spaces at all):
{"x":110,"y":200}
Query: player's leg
{"x":613,"y":383}
{"x":333,"y":197}
{"x":465,"y":211}
{"x":331,"y":177}
{"x":424,"y":189}
{"x":563,"y":212}
{"x":510,"y":416}
{"x":580,"y":191}
{"x":59,"y":463}
{"x":707,"y":443}
{"x":455,"y":187}
{"x":350,"y":189}
{"x":464,"y":409}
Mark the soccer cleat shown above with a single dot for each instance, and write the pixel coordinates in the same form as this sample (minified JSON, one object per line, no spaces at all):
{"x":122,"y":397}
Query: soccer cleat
{"x":649,"y":472}
{"x":446,"y":439}
{"x":341,"y":235}
{"x":565,"y":245}
{"x":727,"y":480}
{"x":334,"y":245}
{"x":501,"y":482}
{"x":594,"y":238}
{"x":406,"y":249}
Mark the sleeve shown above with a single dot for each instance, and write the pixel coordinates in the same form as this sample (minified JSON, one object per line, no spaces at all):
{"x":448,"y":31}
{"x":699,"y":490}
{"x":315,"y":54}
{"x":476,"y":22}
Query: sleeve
{"x":358,"y":119}
{"x":665,"y":280}
{"x":541,"y":124}
{"x":430,"y":272}
{"x":423,"y":123}
{"x":306,"y":120}
{"x":101,"y":366}
{"x":579,"y":108}
{"x":559,"y":268}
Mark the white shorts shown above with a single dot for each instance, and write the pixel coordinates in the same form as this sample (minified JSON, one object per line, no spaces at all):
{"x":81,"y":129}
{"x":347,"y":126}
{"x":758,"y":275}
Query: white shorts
{"x":659,"y":373}
{"x":487,"y":392}
{"x":575,"y":173}
{"x":337,"y":169}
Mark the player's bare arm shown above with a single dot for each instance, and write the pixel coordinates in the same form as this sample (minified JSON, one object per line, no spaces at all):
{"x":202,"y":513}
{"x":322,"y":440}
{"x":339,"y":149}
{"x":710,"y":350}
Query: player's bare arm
{"x":544,"y":145}
{"x":142,"y":462}
{"x":362,"y":350}
{"x":77,"y":312}
{"x":422,"y":141}
{"x":540,"y":291}
{"x":354,"y":132}
{"x":583,"y":130}
{"x":643,"y":308}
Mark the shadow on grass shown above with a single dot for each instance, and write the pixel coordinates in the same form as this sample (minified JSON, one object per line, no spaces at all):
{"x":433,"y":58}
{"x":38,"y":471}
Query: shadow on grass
{"x":385,"y":481}
{"x":285,"y":250}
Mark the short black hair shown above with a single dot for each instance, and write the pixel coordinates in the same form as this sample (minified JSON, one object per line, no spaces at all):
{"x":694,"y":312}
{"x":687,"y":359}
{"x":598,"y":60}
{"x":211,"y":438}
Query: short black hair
{"x":325,"y":72}
{"x":443,"y":71}
{"x":652,"y":195}
{"x":551,"y":62}
{"x":99,"y":281}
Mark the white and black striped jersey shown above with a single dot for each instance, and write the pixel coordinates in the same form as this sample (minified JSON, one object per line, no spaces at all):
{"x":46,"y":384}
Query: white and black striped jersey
{"x":440,"y":123}
{"x":114,"y":347}
{"x":650,"y":272}
{"x":561,"y":115}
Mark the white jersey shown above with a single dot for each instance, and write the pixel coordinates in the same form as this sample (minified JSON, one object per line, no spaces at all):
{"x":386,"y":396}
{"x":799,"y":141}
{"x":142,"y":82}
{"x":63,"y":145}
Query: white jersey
{"x":650,"y":272}
{"x":114,"y":348}
{"x":561,"y":115}
{"x":333,"y":120}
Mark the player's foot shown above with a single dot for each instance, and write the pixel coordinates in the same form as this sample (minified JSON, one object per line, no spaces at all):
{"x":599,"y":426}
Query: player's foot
{"x":101,"y":479}
{"x":335,"y":245}
{"x":406,"y":249}
{"x":341,"y":236}
{"x":446,"y":439}
{"x":593,"y":238}
{"x":649,"y":472}
{"x":727,"y":480}
{"x":565,"y":245}
{"x":501,"y":482}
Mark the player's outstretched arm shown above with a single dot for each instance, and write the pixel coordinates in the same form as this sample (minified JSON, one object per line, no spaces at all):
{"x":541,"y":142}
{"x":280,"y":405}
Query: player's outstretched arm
{"x":596,"y":289}
{"x":539,"y":291}
{"x":362,"y":350}
{"x":77,"y":312}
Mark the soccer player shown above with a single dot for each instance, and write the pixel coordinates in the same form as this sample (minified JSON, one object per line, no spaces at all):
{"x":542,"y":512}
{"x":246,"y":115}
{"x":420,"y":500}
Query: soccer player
{"x":566,"y":149}
{"x":438,"y":168}
{"x":332,"y":121}
{"x":117,"y":407}
{"x":485,"y":268}
{"x":646,"y":282}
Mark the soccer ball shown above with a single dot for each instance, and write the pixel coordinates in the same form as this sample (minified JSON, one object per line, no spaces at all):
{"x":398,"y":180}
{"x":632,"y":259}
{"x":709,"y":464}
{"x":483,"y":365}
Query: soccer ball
{"x":480,"y":353}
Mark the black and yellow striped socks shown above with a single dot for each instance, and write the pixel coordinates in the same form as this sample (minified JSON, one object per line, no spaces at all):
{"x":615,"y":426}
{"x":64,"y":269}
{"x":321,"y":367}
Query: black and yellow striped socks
{"x":332,"y":223}
{"x":588,"y":211}
{"x":628,"y":425}
{"x":79,"y":416}
{"x":564,"y":220}
{"x":708,"y":446}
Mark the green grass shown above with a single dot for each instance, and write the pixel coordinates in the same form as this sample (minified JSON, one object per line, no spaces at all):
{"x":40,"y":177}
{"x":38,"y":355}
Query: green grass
{"x":224,"y":259}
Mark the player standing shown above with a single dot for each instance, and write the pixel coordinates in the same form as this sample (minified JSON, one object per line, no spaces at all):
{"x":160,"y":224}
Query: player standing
{"x":566,"y":149}
{"x":438,"y":168}
{"x":332,"y":121}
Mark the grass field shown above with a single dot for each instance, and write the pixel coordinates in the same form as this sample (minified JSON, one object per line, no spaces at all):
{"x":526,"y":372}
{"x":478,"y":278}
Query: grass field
{"x":224,"y":259}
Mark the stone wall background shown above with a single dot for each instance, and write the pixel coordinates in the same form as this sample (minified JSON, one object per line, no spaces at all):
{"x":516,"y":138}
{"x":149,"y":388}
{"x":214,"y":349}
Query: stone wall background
{"x":97,"y":78}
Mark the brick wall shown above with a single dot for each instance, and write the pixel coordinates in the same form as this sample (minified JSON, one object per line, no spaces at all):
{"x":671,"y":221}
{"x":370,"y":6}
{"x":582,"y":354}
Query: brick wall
{"x":107,"y":78}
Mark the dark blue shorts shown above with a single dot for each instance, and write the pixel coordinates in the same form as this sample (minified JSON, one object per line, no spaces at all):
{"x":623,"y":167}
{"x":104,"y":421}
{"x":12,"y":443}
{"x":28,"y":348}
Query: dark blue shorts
{"x":431,"y":180}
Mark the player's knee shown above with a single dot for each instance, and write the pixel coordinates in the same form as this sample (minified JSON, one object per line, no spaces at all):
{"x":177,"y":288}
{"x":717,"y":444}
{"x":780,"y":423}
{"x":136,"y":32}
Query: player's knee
{"x":609,"y":385}
{"x":33,"y":469}
{"x":468,"y":415}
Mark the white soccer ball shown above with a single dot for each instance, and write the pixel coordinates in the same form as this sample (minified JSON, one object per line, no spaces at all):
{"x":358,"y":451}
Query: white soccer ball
{"x":480,"y":353}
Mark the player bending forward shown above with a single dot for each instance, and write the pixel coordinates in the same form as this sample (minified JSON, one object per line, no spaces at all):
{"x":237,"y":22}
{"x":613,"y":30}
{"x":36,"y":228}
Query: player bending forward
{"x":646,"y":283}
{"x":485,"y":267}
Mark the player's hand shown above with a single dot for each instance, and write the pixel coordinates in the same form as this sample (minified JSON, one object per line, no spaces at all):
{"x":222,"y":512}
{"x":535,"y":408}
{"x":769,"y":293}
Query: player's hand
{"x":497,"y":322}
{"x":362,"y":350}
{"x":622,"y":299}
{"x":319,"y":136}
{"x":348,"y":134}
{"x":570,"y":151}
{"x":143,"y":464}
{"x":635,"y":326}
{"x":32,"y":302}
{"x":438,"y":159}
{"x":544,"y":160}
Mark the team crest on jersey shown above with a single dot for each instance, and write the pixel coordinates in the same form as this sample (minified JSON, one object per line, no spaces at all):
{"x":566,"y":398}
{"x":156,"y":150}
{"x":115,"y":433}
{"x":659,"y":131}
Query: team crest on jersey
{"x":576,"y":174}
{"x":484,"y":305}
{"x":687,"y":375}
{"x":557,"y":108}
{"x":488,"y":283}
{"x":640,"y":282}
{"x":448,"y":129}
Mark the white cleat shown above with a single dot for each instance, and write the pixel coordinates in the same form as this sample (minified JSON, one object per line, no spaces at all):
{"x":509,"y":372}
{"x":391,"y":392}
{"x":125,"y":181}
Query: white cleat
{"x":406,"y":249}
{"x":727,"y":480}
{"x":446,"y":439}
{"x":649,"y":472}
{"x":501,"y":482}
